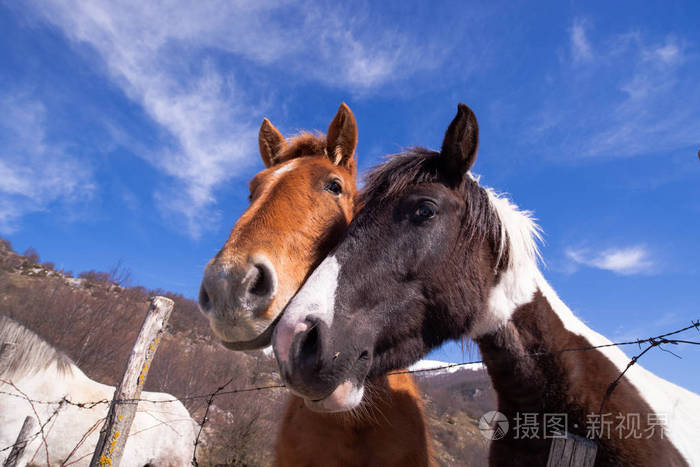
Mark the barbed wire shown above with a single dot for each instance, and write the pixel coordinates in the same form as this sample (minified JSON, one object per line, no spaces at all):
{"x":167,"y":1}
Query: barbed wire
{"x":694,"y":325}
{"x":210,"y":402}
{"x":648,"y":343}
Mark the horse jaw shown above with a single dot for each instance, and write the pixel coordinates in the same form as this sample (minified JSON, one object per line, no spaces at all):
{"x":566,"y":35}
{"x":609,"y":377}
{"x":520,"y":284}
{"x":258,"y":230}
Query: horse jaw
{"x":345,"y":397}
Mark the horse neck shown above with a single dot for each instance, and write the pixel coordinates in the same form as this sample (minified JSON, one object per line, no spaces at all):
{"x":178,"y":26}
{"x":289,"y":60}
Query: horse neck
{"x":533,"y":372}
{"x":68,"y":381}
{"x":520,"y":358}
{"x":531,"y":327}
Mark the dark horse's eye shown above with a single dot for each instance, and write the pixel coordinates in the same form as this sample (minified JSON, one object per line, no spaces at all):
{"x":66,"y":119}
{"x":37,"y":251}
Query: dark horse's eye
{"x":334,"y":187}
{"x":424,"y":211}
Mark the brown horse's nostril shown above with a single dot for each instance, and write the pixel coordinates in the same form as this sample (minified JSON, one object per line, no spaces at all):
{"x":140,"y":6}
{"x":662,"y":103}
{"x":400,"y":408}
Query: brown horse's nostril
{"x":262,"y":284}
{"x":231,"y":292}
{"x":258,"y":287}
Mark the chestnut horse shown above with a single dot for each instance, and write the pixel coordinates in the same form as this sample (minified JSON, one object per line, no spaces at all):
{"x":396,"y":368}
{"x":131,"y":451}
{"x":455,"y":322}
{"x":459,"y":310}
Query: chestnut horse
{"x":432,"y":256}
{"x":300,"y":206}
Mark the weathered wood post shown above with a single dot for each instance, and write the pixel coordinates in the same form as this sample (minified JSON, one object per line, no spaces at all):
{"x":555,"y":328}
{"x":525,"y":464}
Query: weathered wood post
{"x":122,"y":409}
{"x":16,"y":457}
{"x":572,"y":451}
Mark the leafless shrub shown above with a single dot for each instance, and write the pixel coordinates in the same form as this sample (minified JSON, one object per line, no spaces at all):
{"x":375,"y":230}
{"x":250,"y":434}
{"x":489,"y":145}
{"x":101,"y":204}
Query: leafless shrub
{"x":120,"y":275}
{"x":95,"y":276}
{"x":5,"y":245}
{"x":31,"y":255}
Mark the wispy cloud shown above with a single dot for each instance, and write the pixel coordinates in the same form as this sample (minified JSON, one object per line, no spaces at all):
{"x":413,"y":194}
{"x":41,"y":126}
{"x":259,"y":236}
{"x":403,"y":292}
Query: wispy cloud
{"x":162,"y":56}
{"x":34,"y":172}
{"x":625,"y":260}
{"x":636,"y":95}
{"x":580,"y":46}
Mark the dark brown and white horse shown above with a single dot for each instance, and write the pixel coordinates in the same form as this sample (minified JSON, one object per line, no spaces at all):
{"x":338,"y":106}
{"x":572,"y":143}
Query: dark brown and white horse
{"x":300,"y":206}
{"x":431,"y":256}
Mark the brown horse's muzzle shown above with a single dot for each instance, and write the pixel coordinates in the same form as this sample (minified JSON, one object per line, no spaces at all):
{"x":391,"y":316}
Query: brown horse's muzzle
{"x":236,"y":297}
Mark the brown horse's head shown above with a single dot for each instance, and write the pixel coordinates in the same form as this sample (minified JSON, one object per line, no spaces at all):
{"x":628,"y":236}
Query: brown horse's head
{"x":299,"y":206}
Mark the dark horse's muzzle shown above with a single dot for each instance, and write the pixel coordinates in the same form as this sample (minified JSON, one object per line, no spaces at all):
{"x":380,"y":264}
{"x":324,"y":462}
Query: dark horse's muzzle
{"x":327,"y":379}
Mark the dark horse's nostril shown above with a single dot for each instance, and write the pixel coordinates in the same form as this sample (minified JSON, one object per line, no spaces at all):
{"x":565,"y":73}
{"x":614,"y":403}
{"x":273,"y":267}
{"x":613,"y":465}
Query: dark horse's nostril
{"x":309,"y":347}
{"x":263,"y":284}
{"x":204,"y":300}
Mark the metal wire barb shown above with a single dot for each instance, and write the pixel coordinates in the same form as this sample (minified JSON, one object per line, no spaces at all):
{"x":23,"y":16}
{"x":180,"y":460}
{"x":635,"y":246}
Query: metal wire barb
{"x":645,"y":344}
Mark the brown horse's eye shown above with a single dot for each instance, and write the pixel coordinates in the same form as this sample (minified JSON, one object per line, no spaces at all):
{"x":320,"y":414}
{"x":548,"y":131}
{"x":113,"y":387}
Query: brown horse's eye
{"x":424,"y":211}
{"x":334,"y":187}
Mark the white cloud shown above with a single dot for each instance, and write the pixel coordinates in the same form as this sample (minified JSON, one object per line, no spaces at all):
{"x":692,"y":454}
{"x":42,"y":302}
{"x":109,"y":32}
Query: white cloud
{"x":669,"y":53}
{"x":635,"y":96}
{"x":653,"y":114}
{"x":580,"y":46}
{"x":34,"y":173}
{"x":624,"y":260}
{"x":160,"y":55}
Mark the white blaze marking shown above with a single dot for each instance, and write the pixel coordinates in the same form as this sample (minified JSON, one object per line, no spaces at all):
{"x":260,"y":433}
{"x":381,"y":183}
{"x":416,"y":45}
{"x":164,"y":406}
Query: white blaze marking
{"x":288,"y":167}
{"x":315,"y":298}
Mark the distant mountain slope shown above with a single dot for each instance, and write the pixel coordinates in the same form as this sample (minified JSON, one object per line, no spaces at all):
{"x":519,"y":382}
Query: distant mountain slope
{"x":95,"y":321}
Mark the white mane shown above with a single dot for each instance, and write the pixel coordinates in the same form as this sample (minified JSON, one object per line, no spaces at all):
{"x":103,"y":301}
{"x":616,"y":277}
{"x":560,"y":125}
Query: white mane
{"x":520,"y":234}
{"x":519,"y":239}
{"x":23,"y":353}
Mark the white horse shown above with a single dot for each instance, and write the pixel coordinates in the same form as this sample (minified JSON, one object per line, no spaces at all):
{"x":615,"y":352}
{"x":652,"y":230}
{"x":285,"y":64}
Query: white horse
{"x":35,"y":378}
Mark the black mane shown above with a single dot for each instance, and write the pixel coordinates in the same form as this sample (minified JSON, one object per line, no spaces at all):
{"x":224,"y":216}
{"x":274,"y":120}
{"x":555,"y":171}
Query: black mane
{"x":398,"y":171}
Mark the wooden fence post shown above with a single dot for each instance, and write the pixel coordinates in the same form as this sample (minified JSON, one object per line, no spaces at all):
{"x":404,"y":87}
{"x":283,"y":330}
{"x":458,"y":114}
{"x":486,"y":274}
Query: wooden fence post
{"x":572,"y":451}
{"x":16,"y":457}
{"x":122,"y":409}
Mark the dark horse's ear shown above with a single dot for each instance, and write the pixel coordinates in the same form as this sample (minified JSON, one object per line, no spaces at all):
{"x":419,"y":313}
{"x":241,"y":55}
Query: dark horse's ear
{"x":271,"y":142}
{"x":460,"y":144}
{"x":341,"y":140}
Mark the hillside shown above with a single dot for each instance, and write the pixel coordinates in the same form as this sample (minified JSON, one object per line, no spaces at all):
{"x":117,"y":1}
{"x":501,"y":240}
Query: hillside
{"x":94,"y":318}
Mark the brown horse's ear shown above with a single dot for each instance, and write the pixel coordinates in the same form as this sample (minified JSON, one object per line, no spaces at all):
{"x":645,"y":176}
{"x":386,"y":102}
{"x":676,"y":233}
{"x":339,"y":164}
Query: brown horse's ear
{"x":342,"y":138}
{"x":460,"y":144}
{"x":271,"y":142}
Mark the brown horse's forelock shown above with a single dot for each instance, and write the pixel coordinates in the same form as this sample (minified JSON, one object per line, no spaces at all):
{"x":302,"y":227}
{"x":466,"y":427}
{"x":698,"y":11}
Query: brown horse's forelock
{"x":303,"y":144}
{"x":421,"y":166}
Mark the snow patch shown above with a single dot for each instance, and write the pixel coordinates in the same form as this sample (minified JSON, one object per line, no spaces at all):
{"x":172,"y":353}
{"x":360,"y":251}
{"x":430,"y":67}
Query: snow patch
{"x":436,"y":367}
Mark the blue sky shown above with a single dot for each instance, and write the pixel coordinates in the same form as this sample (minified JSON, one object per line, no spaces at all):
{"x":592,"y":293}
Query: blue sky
{"x":128,"y":130}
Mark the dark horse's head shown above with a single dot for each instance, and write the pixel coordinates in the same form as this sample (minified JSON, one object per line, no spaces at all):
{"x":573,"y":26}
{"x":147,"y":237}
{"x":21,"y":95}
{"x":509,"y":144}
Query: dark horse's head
{"x":414,"y":269}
